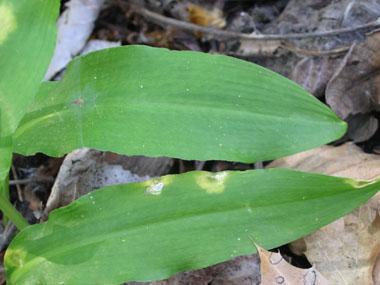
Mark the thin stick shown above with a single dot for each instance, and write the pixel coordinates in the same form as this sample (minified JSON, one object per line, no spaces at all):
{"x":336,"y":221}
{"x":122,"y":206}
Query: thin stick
{"x":7,"y":235}
{"x":19,"y":193}
{"x":35,"y":178}
{"x":336,"y":51}
{"x":253,"y":37}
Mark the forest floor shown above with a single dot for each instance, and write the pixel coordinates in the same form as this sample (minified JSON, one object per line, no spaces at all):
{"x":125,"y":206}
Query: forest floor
{"x":328,"y":47}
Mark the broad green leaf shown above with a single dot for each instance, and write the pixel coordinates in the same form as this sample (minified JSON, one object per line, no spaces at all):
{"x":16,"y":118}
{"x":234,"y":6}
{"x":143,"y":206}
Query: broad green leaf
{"x":27,"y":41}
{"x":140,"y":100}
{"x":154,"y":229}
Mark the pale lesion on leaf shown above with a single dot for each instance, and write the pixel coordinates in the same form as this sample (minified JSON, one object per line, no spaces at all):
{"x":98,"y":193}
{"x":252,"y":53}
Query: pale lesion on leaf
{"x":213,"y":183}
{"x":8,"y":23}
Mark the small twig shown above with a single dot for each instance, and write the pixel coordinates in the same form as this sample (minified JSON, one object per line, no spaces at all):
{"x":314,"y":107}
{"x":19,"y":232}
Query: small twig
{"x":298,"y":50}
{"x":254,"y":37}
{"x":19,"y":193}
{"x":35,"y":178}
{"x":7,"y":235}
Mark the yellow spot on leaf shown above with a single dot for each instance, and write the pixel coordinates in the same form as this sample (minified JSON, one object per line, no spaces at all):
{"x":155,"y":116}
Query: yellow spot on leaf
{"x":212,"y":183}
{"x":359,"y":183}
{"x":16,"y":257}
{"x":7,"y":21}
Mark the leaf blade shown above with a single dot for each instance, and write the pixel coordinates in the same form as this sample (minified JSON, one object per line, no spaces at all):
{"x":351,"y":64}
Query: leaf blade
{"x":27,"y":28}
{"x":151,"y":230}
{"x":134,"y":100}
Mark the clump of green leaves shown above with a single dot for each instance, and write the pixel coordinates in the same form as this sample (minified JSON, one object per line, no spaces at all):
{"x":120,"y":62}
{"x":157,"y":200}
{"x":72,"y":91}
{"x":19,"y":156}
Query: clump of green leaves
{"x":139,"y":100}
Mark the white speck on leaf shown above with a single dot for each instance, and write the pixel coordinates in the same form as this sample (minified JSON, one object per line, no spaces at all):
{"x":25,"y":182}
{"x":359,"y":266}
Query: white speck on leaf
{"x":155,"y":188}
{"x":219,"y":176}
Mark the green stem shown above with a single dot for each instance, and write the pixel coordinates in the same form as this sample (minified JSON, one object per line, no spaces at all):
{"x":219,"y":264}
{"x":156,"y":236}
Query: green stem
{"x":7,"y":208}
{"x":5,"y":194}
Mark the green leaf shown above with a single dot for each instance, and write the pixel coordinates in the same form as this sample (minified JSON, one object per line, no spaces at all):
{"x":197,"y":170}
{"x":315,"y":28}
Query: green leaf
{"x":27,"y":41}
{"x":154,"y":229}
{"x":139,"y":100}
{"x":5,"y":159}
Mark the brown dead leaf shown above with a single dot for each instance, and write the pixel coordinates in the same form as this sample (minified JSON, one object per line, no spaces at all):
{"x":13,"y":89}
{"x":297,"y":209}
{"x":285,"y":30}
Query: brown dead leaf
{"x":203,"y":17}
{"x":314,"y":74}
{"x":376,"y":270}
{"x":355,"y":86}
{"x":347,"y":160}
{"x":35,"y":192}
{"x":345,"y":251}
{"x":361,"y":127}
{"x":84,"y":170}
{"x":276,"y":270}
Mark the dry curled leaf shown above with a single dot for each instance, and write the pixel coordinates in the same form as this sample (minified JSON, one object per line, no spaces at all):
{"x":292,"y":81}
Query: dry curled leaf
{"x":355,"y":87}
{"x":75,"y":25}
{"x":276,"y":270}
{"x":347,"y":250}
